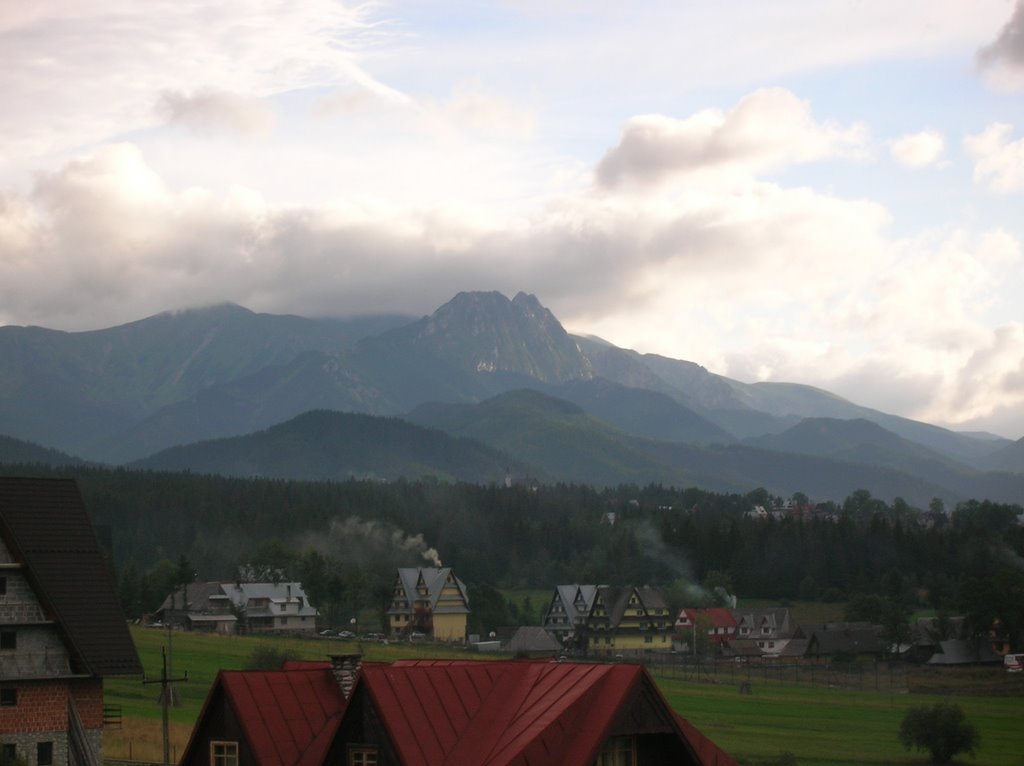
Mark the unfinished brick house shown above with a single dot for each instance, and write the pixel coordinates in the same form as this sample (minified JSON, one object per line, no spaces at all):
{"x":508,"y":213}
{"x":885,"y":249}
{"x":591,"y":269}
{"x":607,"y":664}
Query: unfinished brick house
{"x":61,"y":627}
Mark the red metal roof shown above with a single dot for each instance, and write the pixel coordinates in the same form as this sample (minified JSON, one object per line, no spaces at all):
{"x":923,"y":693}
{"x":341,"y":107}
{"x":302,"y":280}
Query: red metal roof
{"x":455,"y":712}
{"x":463,"y":713}
{"x":289,"y":716}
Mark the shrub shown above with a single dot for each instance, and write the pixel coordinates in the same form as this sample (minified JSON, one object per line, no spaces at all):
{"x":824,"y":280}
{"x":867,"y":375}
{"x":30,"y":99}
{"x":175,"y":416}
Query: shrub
{"x":941,"y":729}
{"x":265,"y":657}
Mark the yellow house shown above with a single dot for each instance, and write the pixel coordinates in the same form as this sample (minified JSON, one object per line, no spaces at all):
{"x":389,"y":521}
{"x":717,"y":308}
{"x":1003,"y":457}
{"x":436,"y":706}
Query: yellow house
{"x":628,"y":620}
{"x":431,"y":601}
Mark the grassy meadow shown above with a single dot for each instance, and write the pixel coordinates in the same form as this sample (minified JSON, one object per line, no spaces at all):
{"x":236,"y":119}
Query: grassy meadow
{"x":820,"y":726}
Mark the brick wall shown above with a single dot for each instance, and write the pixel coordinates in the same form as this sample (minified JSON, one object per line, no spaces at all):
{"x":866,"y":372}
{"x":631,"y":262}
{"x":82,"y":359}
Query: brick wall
{"x":88,"y":697}
{"x":42,"y":706}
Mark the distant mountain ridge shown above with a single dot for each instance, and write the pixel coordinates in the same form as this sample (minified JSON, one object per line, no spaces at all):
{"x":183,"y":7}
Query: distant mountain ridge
{"x":179,"y":378}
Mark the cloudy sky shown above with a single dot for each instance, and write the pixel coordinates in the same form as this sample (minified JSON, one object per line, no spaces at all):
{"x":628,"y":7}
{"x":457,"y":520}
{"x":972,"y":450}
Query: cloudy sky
{"x":822,"y":191}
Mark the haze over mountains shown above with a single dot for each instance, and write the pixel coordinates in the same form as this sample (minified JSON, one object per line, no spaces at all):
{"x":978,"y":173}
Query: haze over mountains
{"x":519,"y":392}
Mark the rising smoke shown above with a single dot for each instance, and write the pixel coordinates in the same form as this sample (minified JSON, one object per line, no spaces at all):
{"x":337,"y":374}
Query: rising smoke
{"x":365,"y":540}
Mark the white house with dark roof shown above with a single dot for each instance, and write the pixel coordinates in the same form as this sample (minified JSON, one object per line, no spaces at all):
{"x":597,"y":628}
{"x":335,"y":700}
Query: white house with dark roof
{"x":264,"y":607}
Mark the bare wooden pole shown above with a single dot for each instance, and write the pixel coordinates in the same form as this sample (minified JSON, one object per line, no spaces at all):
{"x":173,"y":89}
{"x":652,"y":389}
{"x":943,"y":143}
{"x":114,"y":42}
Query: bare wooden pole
{"x":165,"y":687}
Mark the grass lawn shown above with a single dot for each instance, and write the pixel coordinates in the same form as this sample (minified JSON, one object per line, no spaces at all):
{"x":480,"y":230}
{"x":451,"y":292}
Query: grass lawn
{"x":830,"y":727}
{"x":821,"y":726}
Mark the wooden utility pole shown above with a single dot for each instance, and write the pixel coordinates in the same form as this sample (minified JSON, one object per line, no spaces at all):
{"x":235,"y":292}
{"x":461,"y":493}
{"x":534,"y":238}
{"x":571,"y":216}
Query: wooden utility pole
{"x":165,"y":694}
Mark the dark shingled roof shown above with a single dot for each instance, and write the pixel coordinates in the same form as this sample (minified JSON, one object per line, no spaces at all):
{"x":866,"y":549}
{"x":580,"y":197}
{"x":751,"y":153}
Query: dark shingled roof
{"x":44,"y":524}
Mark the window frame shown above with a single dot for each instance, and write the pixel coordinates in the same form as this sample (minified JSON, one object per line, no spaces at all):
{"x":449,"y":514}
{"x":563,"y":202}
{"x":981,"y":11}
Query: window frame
{"x":363,"y":755}
{"x":223,"y":752}
{"x":614,"y":748}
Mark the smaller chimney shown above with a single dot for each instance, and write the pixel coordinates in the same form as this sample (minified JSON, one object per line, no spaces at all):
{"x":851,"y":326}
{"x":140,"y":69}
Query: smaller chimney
{"x":346,"y":669}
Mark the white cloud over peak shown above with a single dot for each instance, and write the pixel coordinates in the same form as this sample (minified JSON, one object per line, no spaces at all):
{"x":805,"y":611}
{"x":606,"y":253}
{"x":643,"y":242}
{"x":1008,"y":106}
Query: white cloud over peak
{"x":767,"y":129}
{"x":918,"y":150}
{"x":998,"y":161}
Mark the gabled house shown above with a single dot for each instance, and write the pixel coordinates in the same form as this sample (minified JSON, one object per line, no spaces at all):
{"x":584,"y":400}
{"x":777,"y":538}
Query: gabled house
{"x":627,"y":620}
{"x":718,"y":622}
{"x":61,"y":627}
{"x":444,"y":712}
{"x":568,"y":610}
{"x":849,"y":638}
{"x":264,"y":607}
{"x":200,"y":606}
{"x":272,"y":607}
{"x":769,"y":629}
{"x":431,"y":601}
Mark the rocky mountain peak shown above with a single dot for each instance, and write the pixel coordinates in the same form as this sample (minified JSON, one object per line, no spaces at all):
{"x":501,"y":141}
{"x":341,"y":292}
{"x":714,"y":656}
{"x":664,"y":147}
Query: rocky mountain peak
{"x":486,"y":332}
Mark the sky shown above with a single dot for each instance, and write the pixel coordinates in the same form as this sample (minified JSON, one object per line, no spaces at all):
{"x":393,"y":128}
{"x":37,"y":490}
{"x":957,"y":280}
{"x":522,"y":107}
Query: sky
{"x":827,"y":192}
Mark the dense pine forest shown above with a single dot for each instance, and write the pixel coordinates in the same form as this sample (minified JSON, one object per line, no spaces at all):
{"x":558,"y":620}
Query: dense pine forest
{"x":343,"y":540}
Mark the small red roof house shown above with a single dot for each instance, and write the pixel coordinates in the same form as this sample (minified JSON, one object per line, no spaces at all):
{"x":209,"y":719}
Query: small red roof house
{"x":444,"y":713}
{"x":718,"y":621}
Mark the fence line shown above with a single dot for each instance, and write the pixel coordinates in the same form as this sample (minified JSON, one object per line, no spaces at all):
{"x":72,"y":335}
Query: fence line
{"x":863,"y":676}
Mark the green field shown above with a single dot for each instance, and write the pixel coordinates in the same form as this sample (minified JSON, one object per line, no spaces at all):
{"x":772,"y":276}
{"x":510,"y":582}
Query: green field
{"x":819,"y":725}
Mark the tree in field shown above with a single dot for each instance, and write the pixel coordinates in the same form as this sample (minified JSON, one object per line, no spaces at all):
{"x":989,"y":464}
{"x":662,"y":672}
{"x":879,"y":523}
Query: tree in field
{"x":941,"y":729}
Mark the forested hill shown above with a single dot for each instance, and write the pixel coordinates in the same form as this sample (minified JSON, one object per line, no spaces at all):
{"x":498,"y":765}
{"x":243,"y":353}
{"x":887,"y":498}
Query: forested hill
{"x":343,"y":539}
{"x":19,"y":451}
{"x":322,"y":445}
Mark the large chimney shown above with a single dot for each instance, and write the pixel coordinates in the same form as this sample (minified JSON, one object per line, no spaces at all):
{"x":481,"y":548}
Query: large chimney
{"x":346,"y":668}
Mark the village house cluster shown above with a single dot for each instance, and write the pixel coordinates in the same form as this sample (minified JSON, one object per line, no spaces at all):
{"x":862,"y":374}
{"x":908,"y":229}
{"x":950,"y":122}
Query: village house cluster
{"x":62,"y":632}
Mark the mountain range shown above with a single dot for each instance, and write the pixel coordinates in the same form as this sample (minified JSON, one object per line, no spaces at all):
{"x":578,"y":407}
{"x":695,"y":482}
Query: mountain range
{"x":483,"y":386}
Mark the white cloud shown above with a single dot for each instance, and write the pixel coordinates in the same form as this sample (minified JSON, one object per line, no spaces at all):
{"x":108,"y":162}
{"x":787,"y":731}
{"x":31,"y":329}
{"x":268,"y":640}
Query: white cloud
{"x":1002,"y":60}
{"x":998,"y":161}
{"x":918,"y":150}
{"x":74,"y":73}
{"x":746,"y":276}
{"x":471,"y":106}
{"x":769,"y":128}
{"x":211,"y":111}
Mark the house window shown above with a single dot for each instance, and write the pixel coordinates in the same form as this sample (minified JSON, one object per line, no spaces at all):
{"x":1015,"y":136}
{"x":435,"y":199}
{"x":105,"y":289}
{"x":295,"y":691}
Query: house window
{"x":8,"y":696}
{"x":618,"y":751}
{"x":223,"y":753}
{"x":362,"y":755}
{"x":44,"y":754}
{"x":8,"y":752}
{"x":648,"y":638}
{"x":8,"y":639}
{"x":3,"y":586}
